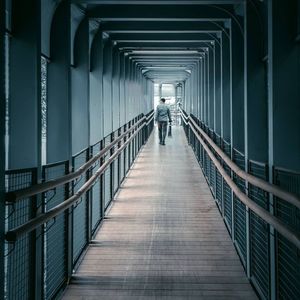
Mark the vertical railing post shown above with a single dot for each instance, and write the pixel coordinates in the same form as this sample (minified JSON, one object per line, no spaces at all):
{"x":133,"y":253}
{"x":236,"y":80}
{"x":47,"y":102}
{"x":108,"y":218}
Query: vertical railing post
{"x":129,"y":147}
{"x":135,"y":139}
{"x":139,"y":136}
{"x":222,"y":183}
{"x":147,"y":127}
{"x":43,"y":237}
{"x":145,"y":131}
{"x":102,"y":204}
{"x":124,"y":152}
{"x":142,"y":132}
{"x":189,"y":132}
{"x":36,"y":242}
{"x":119,"y":157}
{"x":69,"y":228}
{"x":112,"y":171}
{"x":89,"y":198}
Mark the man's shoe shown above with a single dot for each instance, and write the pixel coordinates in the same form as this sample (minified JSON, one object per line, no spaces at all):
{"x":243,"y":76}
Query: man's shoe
{"x":163,"y":143}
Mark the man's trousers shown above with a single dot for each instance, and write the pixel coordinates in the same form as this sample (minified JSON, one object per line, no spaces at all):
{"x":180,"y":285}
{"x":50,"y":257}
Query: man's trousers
{"x":162,"y":131}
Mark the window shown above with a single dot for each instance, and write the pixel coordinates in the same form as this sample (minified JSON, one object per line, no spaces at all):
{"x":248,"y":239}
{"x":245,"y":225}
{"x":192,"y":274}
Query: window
{"x":6,"y":99}
{"x":44,"y":109}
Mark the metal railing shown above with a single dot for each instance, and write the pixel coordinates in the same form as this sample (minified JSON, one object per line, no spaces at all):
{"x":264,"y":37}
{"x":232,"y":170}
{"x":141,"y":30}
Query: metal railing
{"x":268,"y":187}
{"x":59,"y":216}
{"x":243,"y":200}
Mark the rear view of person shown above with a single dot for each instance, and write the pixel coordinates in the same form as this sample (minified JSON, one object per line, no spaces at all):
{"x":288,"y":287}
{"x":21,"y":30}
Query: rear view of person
{"x":162,"y":115}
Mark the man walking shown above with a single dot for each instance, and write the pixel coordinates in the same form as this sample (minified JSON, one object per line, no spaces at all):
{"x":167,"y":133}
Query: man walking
{"x":162,"y":115}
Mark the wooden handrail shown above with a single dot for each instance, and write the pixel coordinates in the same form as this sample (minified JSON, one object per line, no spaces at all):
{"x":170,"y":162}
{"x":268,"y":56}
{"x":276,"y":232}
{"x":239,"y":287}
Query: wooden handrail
{"x":258,"y":182}
{"x":13,"y":234}
{"x":282,"y":228}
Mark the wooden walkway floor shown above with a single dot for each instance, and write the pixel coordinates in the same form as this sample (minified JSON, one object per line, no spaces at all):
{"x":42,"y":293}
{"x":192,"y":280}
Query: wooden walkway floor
{"x":164,"y":237}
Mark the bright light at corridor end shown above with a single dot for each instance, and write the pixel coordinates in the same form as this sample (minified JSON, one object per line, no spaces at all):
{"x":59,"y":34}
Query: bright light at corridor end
{"x":164,"y":51}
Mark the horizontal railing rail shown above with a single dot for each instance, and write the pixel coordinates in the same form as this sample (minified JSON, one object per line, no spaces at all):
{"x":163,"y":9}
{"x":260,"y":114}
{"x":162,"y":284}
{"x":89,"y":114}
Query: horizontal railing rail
{"x":13,"y":234}
{"x":52,"y":184}
{"x":293,"y":199}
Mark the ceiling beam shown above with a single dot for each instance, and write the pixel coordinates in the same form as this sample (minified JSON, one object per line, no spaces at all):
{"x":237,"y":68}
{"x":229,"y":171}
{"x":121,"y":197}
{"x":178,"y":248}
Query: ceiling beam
{"x":157,"y":2}
{"x":172,"y":25}
{"x":155,"y":11}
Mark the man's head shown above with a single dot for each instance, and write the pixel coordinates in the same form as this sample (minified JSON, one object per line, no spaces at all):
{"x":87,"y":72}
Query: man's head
{"x":163,"y":100}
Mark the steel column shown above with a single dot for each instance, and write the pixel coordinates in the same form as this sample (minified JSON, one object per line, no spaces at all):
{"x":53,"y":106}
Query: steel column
{"x":59,"y":135}
{"x":2,"y":135}
{"x":96,"y":89}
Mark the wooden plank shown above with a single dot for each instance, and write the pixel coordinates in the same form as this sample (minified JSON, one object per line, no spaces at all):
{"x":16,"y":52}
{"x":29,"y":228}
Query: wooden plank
{"x":164,"y":237}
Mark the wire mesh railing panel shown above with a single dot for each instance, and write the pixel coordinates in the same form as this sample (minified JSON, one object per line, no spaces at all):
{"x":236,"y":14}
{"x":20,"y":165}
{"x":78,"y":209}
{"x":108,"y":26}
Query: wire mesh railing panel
{"x":211,"y":134}
{"x":240,"y":209}
{"x":96,"y":190}
{"x":191,"y":139}
{"x":194,"y":141}
{"x":114,"y":166}
{"x":219,"y":188}
{"x":260,"y":254}
{"x":226,"y":147}
{"x":239,"y":159}
{"x":107,"y":177}
{"x":129,"y":153}
{"x":287,"y":269}
{"x":141,"y":139}
{"x":205,"y":128}
{"x":18,"y":269}
{"x":212,"y":175}
{"x":136,"y":143}
{"x":206,"y":165}
{"x":116,"y":174}
{"x":79,"y":229}
{"x":19,"y":257}
{"x":288,"y":256}
{"x":122,"y":161}
{"x":259,"y":234}
{"x":240,"y":228}
{"x":126,"y":150}
{"x":227,"y":198}
{"x":132,"y":151}
{"x":259,"y":196}
{"x":132,"y":144}
{"x":80,"y":212}
{"x":201,"y":159}
{"x":55,"y":234}
{"x":198,"y":149}
{"x":218,"y":140}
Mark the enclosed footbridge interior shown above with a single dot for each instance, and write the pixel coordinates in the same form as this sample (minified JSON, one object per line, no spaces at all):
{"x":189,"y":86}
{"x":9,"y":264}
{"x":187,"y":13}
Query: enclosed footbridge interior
{"x":92,"y":207}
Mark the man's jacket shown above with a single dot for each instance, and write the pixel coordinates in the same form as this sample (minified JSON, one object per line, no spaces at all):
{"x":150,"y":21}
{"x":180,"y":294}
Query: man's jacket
{"x":162,"y":113}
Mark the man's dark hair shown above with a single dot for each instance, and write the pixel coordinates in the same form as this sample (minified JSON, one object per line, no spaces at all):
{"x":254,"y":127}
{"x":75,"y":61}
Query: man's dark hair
{"x":163,"y":100}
